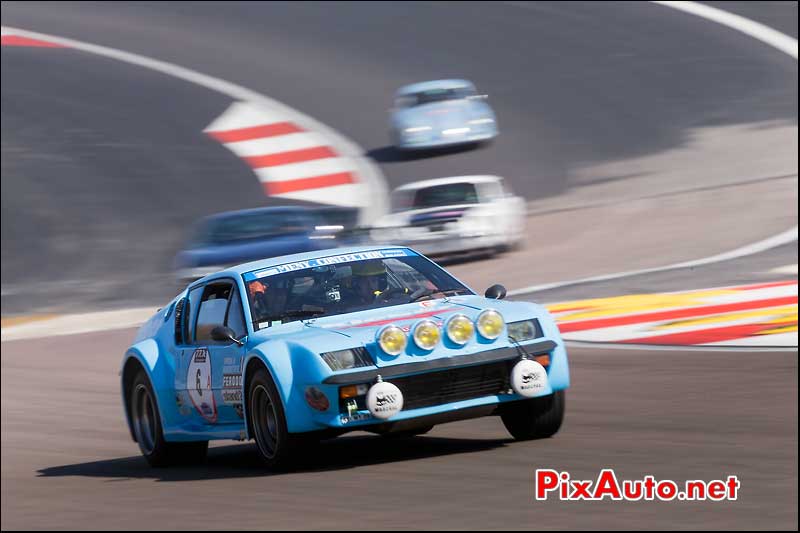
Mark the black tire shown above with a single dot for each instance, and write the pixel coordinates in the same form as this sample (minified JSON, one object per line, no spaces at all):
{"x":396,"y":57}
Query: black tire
{"x":147,"y":428}
{"x":536,"y":418}
{"x":408,"y":433}
{"x":276,"y":447}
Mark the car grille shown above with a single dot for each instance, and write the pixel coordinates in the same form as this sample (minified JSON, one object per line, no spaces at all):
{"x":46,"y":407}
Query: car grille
{"x":458,"y":384}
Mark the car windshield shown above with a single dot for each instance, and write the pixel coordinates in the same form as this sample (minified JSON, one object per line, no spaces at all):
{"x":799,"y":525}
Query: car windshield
{"x":344,"y":284}
{"x":436,"y":95}
{"x":437,"y":196}
{"x":250,"y":226}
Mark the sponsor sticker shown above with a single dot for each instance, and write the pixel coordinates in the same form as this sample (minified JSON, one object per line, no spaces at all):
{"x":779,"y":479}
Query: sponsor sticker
{"x":232,"y":389}
{"x":232,"y":381}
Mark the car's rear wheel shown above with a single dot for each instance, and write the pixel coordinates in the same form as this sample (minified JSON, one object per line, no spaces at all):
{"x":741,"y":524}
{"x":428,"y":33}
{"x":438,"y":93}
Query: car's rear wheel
{"x":148,"y":431}
{"x":536,"y":418}
{"x":268,"y":422}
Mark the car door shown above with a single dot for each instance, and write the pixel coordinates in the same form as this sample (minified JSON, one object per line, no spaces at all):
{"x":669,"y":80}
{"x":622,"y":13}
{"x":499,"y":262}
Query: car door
{"x":208,"y":373}
{"x":228,"y":362}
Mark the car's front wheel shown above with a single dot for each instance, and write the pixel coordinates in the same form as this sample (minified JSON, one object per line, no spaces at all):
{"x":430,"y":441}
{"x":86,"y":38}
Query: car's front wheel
{"x":149,"y":434}
{"x":536,"y":418}
{"x":268,"y":421}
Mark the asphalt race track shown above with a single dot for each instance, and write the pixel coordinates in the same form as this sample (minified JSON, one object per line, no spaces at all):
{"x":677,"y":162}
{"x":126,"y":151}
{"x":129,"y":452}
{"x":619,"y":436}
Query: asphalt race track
{"x":68,"y":461}
{"x":672,"y":124}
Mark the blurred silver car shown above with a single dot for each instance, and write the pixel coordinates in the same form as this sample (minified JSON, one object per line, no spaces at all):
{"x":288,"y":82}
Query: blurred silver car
{"x":440,"y":113}
{"x":453,"y":216}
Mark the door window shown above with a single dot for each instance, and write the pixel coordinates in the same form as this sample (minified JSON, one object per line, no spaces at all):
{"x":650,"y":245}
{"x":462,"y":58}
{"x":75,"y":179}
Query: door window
{"x":213,"y":307}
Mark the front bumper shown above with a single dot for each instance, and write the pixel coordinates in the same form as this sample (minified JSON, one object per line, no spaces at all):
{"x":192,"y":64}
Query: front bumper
{"x":438,"y":140}
{"x":438,"y":390}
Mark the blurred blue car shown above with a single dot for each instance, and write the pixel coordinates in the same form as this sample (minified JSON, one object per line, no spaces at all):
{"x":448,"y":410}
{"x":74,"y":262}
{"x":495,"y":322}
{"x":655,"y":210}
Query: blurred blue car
{"x":290,"y":350}
{"x":234,"y":237}
{"x":440,"y":113}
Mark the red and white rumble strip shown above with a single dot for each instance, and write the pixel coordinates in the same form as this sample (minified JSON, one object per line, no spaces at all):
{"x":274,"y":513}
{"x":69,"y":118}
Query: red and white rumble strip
{"x":293,"y":155}
{"x":289,"y":161}
{"x":748,"y":315}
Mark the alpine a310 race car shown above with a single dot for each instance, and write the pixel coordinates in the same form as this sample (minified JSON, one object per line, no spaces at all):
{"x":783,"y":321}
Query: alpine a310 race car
{"x":308,"y":346}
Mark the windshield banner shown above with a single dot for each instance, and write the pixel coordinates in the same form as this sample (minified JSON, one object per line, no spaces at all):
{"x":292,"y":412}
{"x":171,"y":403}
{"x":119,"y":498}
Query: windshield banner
{"x":325,"y":261}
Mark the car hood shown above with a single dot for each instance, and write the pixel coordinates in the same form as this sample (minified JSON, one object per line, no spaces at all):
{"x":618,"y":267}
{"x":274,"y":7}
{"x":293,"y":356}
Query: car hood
{"x":361,"y":329}
{"x":443,"y":115}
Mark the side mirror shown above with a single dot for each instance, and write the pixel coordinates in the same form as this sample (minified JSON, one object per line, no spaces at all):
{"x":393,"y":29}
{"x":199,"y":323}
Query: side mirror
{"x":223,"y":333}
{"x":496,"y":292}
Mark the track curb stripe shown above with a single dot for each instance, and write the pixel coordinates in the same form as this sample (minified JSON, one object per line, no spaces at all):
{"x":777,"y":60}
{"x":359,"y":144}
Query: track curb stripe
{"x":688,"y":312}
{"x":317,"y":182}
{"x":703,"y":336}
{"x":18,"y":40}
{"x":756,"y":315}
{"x":255,"y":132}
{"x":294,"y":156}
{"x":286,"y":158}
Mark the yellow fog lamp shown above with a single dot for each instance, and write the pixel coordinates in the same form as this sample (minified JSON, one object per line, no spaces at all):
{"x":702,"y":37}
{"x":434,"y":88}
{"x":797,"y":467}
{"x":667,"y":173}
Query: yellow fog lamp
{"x":427,"y":335}
{"x":490,"y":324}
{"x":392,"y":340}
{"x":459,"y":329}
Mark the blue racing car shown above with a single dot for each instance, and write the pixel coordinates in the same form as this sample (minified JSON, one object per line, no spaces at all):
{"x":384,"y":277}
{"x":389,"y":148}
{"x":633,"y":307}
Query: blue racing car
{"x":309,"y":346}
{"x":441,"y":113}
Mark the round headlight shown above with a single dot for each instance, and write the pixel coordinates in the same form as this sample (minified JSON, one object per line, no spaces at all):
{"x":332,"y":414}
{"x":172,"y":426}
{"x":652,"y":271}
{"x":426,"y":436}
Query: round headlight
{"x":426,"y":335}
{"x":490,"y":324}
{"x":392,"y":340}
{"x":459,"y":329}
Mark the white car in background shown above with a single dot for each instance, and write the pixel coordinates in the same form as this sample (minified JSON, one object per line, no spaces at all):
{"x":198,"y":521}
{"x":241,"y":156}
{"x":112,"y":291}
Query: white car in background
{"x":440,"y":113}
{"x":451,"y":216}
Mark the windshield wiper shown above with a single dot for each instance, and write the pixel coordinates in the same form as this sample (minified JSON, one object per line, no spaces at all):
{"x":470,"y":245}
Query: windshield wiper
{"x":429,"y":292}
{"x":423,"y":294}
{"x":311,"y":312}
{"x":452,"y":292}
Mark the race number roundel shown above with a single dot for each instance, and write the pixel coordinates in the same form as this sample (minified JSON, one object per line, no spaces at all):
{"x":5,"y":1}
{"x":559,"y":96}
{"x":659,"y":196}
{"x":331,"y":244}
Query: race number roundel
{"x":198,"y":384}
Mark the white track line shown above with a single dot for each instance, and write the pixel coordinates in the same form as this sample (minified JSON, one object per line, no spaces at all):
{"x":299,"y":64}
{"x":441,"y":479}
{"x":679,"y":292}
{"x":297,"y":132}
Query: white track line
{"x":756,"y":30}
{"x":788,"y":269}
{"x":79,"y":323}
{"x":767,"y":244}
{"x":368,"y":171}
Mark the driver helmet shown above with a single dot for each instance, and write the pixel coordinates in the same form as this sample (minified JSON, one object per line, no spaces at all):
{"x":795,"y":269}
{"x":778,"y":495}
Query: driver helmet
{"x":373,"y":271}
